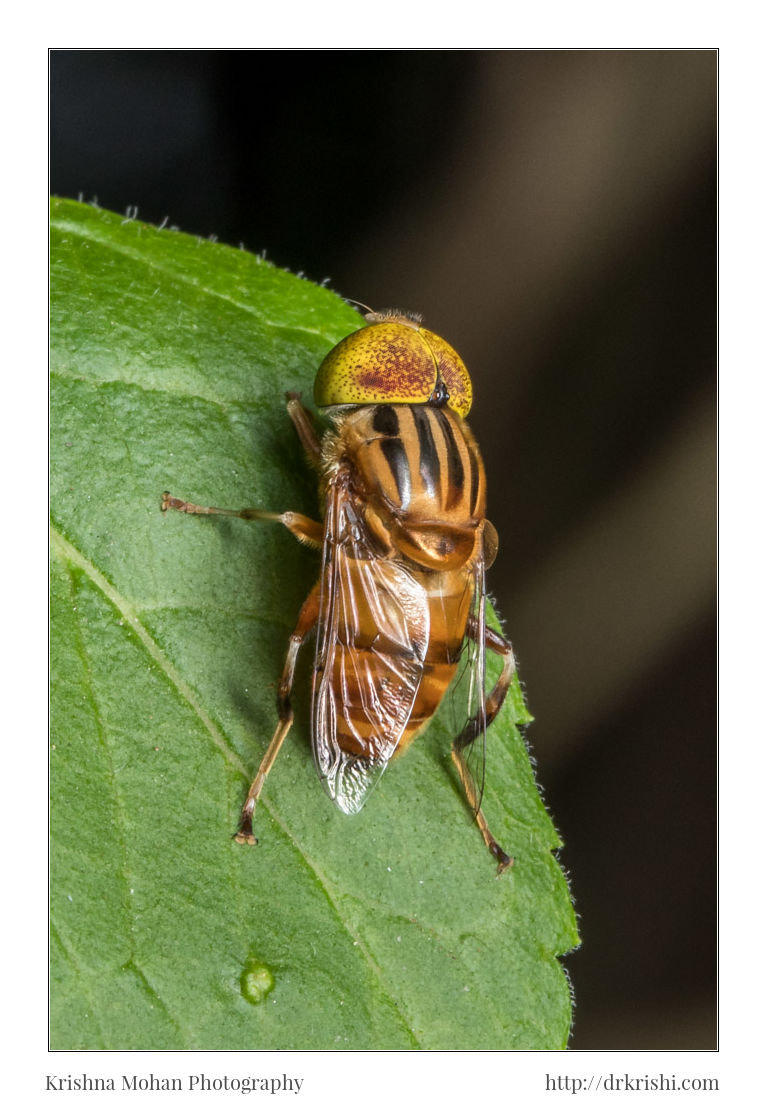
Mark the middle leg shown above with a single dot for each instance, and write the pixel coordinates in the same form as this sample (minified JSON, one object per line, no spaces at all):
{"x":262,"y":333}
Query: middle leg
{"x":307,"y":619}
{"x":303,"y":527}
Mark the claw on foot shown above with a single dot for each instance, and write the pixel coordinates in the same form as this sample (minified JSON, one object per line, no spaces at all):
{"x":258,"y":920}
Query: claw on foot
{"x":244,"y":834}
{"x":504,"y":861}
{"x":170,"y":502}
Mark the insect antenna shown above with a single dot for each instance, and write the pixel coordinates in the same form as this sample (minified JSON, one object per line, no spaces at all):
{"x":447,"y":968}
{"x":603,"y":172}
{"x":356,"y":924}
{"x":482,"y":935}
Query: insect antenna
{"x":412,"y":319}
{"x":361,"y":304}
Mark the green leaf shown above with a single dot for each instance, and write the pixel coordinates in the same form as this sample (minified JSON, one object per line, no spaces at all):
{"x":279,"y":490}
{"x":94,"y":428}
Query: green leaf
{"x":171,"y":357}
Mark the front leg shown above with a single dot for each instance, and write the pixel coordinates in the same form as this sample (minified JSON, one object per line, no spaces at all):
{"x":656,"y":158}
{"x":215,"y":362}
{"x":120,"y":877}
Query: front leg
{"x":303,"y":528}
{"x":303,"y":422}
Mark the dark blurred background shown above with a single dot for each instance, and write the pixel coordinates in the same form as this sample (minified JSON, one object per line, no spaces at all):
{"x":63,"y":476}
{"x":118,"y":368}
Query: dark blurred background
{"x":553,"y":215}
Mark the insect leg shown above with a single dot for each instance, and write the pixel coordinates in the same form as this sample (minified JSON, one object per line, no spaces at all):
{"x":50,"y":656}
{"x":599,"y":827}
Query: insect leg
{"x":302,"y":421}
{"x":307,"y":619}
{"x":493,"y":703}
{"x":303,"y":528}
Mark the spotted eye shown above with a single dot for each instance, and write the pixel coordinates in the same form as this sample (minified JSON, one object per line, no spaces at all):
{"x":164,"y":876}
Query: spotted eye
{"x":393,"y":361}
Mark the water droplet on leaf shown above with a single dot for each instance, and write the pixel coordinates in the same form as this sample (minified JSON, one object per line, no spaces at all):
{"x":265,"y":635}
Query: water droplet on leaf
{"x":256,"y":982}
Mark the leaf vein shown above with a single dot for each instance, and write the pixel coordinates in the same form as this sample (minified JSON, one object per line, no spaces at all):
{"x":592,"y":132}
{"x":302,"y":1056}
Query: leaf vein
{"x":325,"y":886}
{"x":69,"y":954}
{"x":151,"y":991}
{"x":228,"y":407}
{"x":185,"y":279}
{"x":68,"y":551}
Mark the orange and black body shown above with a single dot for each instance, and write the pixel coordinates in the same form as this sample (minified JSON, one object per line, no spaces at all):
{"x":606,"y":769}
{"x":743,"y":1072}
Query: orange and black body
{"x":411,"y":479}
{"x":401,"y":597}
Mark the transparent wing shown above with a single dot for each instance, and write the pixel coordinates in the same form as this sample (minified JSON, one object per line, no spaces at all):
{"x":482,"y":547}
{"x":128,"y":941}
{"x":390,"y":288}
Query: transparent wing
{"x":372,"y":637}
{"x":468,"y":691}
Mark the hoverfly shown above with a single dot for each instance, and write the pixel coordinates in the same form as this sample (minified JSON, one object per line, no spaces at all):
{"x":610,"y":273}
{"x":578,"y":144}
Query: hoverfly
{"x":400,"y":600}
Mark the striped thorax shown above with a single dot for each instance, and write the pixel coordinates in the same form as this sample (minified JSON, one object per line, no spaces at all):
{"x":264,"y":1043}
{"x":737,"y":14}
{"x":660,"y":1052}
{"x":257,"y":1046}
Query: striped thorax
{"x":419,"y":475}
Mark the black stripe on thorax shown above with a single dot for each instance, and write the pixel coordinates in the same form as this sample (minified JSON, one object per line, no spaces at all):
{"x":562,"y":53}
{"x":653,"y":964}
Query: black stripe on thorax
{"x":474,"y":468}
{"x":396,"y":457}
{"x":387,"y":423}
{"x":454,"y":463}
{"x":386,"y":420}
{"x":428,"y":458}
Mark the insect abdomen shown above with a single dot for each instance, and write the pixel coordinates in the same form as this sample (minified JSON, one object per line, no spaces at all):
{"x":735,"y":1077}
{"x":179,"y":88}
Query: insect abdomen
{"x":449,"y":603}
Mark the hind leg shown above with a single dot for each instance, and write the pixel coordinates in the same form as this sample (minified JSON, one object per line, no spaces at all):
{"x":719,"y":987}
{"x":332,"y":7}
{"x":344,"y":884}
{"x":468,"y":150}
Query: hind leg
{"x":493,"y":703}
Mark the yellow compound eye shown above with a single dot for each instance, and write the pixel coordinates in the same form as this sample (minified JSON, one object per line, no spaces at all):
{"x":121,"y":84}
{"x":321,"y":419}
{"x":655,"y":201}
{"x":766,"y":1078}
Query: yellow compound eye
{"x":393,"y":361}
